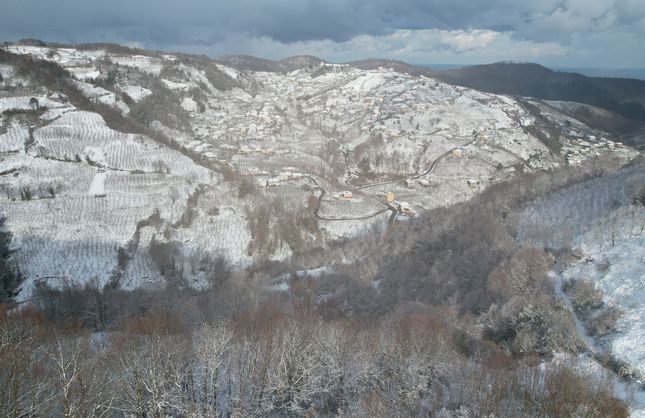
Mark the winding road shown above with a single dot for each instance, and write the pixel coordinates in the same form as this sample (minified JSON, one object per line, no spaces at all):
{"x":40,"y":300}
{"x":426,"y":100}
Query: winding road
{"x":357,"y":189}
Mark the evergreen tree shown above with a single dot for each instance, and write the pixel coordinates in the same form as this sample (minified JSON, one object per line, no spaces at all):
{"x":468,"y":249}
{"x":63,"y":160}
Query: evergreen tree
{"x":8,"y":279}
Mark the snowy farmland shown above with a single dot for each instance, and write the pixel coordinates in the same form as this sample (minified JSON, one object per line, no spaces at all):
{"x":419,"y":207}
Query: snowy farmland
{"x":241,"y":145}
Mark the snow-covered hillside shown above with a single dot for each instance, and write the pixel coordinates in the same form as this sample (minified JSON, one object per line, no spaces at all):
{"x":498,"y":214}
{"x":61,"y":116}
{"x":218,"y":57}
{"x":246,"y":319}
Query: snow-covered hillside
{"x":254,"y":166}
{"x":603,"y":220}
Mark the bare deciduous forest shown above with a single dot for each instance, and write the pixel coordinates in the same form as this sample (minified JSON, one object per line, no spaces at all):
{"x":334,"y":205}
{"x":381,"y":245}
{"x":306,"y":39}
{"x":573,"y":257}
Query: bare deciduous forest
{"x":448,"y":315}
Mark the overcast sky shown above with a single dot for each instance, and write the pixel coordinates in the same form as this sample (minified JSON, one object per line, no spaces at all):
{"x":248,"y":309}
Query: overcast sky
{"x":573,"y":33}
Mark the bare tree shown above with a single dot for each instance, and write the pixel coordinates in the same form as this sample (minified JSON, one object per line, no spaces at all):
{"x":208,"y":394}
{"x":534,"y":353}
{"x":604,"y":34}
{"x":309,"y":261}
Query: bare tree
{"x":82,"y":389}
{"x":153,"y":370}
{"x":212,"y":357}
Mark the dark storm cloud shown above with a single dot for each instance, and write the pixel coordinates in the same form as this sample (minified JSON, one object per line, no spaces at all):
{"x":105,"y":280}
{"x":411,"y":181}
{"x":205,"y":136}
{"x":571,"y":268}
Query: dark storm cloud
{"x":180,"y":21}
{"x":177,"y":22}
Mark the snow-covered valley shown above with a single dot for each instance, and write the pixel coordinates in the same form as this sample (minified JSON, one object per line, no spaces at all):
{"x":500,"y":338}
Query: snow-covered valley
{"x":141,"y":189}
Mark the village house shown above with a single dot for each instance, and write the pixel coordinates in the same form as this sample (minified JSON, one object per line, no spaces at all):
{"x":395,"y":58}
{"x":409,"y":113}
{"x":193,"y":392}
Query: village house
{"x":347,"y":195}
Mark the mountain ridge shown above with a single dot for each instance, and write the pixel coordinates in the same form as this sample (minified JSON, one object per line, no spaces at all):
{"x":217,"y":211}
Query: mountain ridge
{"x":622,"y":96}
{"x":625,"y":97}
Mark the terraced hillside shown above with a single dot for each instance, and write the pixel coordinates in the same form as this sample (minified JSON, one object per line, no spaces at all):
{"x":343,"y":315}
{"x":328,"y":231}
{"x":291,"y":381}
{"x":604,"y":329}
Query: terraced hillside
{"x":137,"y":168}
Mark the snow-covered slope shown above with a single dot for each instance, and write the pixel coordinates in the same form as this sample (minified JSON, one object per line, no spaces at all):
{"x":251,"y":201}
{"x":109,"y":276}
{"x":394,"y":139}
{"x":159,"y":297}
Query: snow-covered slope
{"x":603,"y":219}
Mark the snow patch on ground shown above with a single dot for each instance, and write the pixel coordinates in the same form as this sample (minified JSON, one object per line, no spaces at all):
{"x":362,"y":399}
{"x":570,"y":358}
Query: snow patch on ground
{"x":228,"y":71}
{"x":101,"y":95}
{"x":189,"y":104}
{"x":143,"y":63}
{"x":23,"y":103}
{"x":98,"y":184}
{"x":173,"y":85}
{"x":136,"y":92}
{"x":84,"y":73}
{"x":366,"y":82}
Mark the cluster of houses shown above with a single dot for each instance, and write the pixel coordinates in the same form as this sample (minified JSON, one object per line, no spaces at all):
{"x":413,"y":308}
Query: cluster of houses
{"x":403,"y":208}
{"x":288,"y":173}
{"x":244,"y":149}
{"x":575,"y":156}
{"x":251,"y":149}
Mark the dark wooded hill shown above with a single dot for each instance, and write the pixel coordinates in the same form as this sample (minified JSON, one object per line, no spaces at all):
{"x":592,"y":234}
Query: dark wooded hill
{"x":623,"y":96}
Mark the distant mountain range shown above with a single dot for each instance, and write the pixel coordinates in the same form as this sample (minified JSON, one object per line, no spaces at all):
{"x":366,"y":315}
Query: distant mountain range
{"x":251,"y":63}
{"x":636,"y":73}
{"x":298,"y":62}
{"x":620,"y":95}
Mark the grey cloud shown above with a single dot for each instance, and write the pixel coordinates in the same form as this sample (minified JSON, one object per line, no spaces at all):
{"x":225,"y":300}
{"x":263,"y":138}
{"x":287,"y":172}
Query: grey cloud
{"x":202,"y":22}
